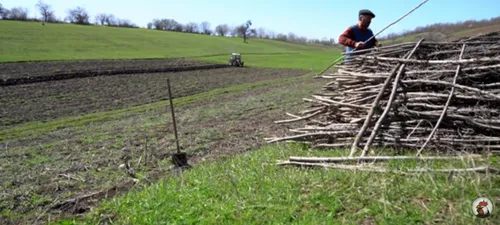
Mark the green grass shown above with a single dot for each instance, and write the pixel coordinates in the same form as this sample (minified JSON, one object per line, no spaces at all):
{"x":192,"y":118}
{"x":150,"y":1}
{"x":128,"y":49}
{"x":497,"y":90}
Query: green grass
{"x":250,"y":189}
{"x":25,"y":41}
{"x":316,"y":61}
{"x":32,"y":129}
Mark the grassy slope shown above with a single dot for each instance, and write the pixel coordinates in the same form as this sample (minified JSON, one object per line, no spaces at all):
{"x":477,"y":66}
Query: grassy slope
{"x":248,"y":188}
{"x":452,"y":36}
{"x":32,"y":41}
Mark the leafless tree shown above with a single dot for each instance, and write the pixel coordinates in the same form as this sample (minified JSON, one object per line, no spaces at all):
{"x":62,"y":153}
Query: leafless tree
{"x":261,"y":32}
{"x":101,"y":18}
{"x":178,"y":27}
{"x":150,"y":25}
{"x":4,"y":13}
{"x":78,"y":15}
{"x":292,"y":37}
{"x":45,"y":11}
{"x":271,"y":35}
{"x":106,"y":19}
{"x":281,"y":37}
{"x":110,"y":20}
{"x":222,"y":30}
{"x":166,"y":24}
{"x":125,"y":23}
{"x":191,"y":28}
{"x":245,"y":31}
{"x":205,"y":28}
{"x":18,"y":13}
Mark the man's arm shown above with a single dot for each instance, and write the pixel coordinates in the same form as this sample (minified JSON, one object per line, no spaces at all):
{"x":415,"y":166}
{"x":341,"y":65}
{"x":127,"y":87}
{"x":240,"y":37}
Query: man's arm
{"x":347,"y":37}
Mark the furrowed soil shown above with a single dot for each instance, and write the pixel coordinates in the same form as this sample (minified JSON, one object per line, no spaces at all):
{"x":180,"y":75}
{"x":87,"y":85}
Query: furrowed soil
{"x":65,"y":173}
{"x":48,"y":68}
{"x":71,"y":97}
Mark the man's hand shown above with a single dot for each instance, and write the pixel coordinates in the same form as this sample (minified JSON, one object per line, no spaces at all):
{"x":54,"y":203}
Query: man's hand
{"x":359,"y":45}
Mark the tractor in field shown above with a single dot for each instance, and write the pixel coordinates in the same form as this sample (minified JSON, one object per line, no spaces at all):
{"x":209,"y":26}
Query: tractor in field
{"x":235,"y":60}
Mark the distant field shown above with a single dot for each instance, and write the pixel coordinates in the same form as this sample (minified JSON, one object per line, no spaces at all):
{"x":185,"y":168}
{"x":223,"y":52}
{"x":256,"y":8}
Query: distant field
{"x":70,"y":42}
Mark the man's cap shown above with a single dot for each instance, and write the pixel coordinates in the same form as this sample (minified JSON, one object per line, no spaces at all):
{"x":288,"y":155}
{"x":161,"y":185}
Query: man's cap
{"x":366,"y":12}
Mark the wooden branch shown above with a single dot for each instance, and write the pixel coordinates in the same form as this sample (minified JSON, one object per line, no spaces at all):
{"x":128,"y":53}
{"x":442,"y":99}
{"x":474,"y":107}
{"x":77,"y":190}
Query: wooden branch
{"x":445,"y":106}
{"x":372,"y":110}
{"x":375,"y":158}
{"x":299,"y":118}
{"x":389,"y":104}
{"x":483,"y":169}
{"x":462,"y":61}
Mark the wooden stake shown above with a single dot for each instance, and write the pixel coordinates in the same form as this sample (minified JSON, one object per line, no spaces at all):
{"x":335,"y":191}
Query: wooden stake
{"x":445,"y":109}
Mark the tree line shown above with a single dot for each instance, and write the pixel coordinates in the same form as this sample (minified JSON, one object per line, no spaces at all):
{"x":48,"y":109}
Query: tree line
{"x":79,"y":15}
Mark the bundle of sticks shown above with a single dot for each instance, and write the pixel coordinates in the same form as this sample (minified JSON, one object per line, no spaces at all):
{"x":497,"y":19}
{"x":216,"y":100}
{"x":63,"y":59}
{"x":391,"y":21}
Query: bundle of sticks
{"x":416,"y":95}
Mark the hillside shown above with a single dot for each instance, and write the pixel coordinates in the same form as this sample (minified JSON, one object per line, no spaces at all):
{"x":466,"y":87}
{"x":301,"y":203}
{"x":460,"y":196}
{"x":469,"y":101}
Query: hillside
{"x":444,"y":31}
{"x":25,"y":41}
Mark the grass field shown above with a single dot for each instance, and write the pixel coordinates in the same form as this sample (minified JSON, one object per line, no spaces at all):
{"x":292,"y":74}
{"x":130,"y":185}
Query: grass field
{"x":62,"y":142}
{"x":71,"y":42}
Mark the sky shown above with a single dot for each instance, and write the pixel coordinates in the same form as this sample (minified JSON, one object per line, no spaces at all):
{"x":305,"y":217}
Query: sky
{"x":309,"y":18}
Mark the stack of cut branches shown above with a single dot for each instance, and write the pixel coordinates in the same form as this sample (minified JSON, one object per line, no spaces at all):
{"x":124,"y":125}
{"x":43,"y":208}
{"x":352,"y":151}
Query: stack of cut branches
{"x":420,"y":95}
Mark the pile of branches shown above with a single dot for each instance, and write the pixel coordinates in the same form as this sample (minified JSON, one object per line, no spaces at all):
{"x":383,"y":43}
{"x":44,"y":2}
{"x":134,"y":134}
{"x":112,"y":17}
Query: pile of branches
{"x":416,"y":95}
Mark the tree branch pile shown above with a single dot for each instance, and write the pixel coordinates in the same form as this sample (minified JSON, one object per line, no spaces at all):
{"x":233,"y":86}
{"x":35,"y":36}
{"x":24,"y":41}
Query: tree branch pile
{"x":419,"y":95}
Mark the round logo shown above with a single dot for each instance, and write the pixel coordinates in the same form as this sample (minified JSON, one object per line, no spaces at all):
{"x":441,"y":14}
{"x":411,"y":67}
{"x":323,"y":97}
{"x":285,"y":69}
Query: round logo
{"x":482,"y":207}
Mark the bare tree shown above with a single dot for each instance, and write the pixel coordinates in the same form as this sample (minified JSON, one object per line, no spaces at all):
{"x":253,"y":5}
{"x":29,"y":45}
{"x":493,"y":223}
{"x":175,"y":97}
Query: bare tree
{"x":78,"y":15}
{"x":125,"y":23}
{"x":150,"y":25}
{"x":261,"y":32}
{"x":191,"y":28}
{"x":271,"y":35}
{"x":178,"y":27}
{"x":245,"y":31}
{"x":205,"y":28}
{"x":18,"y":13}
{"x":281,"y":37}
{"x":110,"y":20}
{"x":292,"y":37}
{"x":222,"y":30}
{"x":166,"y":24}
{"x":46,"y":11}
{"x":101,"y":18}
{"x":3,"y":12}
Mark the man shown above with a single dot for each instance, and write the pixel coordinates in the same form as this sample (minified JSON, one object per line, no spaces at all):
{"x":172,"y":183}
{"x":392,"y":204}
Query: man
{"x":355,"y":36}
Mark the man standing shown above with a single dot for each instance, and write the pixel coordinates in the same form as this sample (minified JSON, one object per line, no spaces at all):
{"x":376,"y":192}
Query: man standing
{"x":355,"y":36}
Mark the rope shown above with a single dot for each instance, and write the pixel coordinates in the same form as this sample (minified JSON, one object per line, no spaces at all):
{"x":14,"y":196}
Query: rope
{"x":408,"y":13}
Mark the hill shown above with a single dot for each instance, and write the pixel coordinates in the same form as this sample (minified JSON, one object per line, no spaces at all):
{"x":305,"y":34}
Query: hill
{"x":71,"y":42}
{"x":444,"y":31}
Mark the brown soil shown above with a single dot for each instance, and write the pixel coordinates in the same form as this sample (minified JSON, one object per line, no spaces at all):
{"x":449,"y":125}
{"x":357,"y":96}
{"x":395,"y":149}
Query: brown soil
{"x":56,"y":99}
{"x":65,"y":173}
